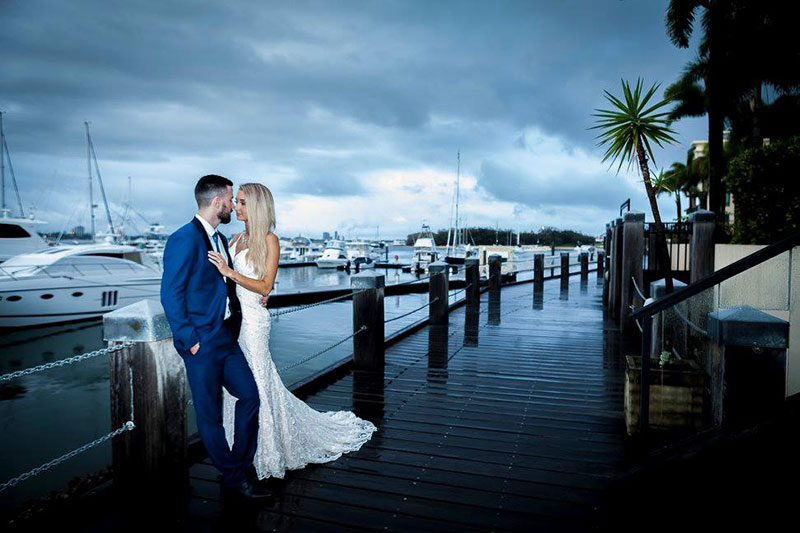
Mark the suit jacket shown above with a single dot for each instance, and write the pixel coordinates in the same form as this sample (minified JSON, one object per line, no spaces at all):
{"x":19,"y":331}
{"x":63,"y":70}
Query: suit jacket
{"x":193,"y":292}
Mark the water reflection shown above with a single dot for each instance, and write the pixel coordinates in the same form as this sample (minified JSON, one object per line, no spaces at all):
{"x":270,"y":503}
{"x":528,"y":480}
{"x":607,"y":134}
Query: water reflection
{"x":471,"y":324}
{"x":564,"y":290}
{"x":369,"y":401}
{"x":494,"y":308}
{"x":538,"y":295}
{"x":438,"y":350}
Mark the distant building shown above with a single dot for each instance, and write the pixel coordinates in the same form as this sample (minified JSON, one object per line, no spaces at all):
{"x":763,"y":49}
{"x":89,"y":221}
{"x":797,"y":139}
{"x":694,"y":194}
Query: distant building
{"x":79,"y":231}
{"x":700,"y":149}
{"x":326,"y":236}
{"x":336,"y":235}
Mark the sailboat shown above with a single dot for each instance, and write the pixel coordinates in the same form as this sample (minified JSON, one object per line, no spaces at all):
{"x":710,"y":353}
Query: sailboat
{"x":76,"y":282}
{"x":18,"y":234}
{"x":458,"y":249}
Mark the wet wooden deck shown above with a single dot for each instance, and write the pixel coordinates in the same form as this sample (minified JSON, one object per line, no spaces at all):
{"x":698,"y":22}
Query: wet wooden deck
{"x":507,"y":419}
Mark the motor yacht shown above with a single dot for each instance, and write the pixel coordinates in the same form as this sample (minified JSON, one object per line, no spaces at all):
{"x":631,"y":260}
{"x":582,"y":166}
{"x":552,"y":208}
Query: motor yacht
{"x":361,"y":254}
{"x":67,"y":283}
{"x":334,"y":255}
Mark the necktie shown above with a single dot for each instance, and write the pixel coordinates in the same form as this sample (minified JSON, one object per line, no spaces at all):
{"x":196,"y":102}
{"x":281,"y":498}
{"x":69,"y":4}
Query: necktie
{"x":216,"y":240}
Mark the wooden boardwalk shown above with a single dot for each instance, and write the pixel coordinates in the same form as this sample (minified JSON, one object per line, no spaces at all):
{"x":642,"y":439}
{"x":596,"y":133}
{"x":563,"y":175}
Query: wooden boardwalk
{"x":507,"y":419}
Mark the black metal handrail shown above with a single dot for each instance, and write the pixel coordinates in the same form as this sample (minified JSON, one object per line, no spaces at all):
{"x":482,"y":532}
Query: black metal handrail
{"x":626,"y":203}
{"x":725,"y":273}
{"x":646,"y":312}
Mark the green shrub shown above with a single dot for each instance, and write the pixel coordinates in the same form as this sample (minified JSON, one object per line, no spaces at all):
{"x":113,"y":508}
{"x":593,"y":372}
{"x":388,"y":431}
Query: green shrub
{"x":765,"y":183}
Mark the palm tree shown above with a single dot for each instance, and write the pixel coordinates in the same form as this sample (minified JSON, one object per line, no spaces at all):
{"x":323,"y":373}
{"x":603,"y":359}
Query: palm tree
{"x":673,"y":182}
{"x":630,"y":129}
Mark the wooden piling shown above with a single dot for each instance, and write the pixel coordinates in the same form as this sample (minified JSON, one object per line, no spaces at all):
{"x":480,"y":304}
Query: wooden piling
{"x":633,"y":249}
{"x":473,"y":280}
{"x":148,"y":386}
{"x":495,"y":280}
{"x":438,"y":291}
{"x":368,"y":346}
{"x":584,"y":258}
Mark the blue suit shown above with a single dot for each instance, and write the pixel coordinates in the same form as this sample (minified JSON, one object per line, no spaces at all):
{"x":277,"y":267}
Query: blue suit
{"x":193,"y":294}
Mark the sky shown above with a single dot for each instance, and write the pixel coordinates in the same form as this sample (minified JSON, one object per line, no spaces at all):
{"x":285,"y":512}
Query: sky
{"x":352,"y":113}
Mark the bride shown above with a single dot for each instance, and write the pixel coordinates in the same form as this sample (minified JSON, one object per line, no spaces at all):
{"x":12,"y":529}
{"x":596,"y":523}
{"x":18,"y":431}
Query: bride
{"x":290,"y":433}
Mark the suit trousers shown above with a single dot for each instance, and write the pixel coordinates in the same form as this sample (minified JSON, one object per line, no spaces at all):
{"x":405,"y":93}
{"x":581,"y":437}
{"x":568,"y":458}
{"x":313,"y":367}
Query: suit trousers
{"x":220,"y":362}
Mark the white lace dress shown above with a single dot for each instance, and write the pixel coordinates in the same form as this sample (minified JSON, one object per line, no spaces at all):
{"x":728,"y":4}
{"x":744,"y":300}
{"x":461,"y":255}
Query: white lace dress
{"x":290,"y":433}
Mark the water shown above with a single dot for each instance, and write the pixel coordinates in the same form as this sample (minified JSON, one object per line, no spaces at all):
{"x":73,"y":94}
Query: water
{"x":45,"y":415}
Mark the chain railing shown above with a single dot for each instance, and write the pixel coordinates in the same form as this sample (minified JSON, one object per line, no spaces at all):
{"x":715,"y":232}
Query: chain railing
{"x":317,"y":354}
{"x":127,"y":426}
{"x":63,"y":362}
{"x":294,"y":309}
{"x":420,"y":308}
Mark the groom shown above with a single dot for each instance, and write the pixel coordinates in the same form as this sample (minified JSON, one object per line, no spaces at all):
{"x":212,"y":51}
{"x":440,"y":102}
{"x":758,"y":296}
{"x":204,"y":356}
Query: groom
{"x":205,"y":316}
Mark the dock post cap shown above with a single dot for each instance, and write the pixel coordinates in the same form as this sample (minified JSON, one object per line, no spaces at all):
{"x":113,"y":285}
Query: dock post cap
{"x":472,"y":261}
{"x":658,"y":288}
{"x":564,"y":254}
{"x":143,"y":321}
{"x":496,"y":256}
{"x":368,"y":280}
{"x":746,"y":326}
{"x":702,"y":215}
{"x":618,"y":221}
{"x":634,"y":216}
{"x":438,"y":266}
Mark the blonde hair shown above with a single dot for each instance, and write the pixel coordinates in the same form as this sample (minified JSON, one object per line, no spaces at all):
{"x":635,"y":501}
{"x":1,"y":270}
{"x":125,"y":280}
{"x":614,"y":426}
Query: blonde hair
{"x":260,"y":223}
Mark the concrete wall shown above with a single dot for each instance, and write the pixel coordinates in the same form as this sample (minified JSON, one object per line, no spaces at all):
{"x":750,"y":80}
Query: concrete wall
{"x":773,"y":287}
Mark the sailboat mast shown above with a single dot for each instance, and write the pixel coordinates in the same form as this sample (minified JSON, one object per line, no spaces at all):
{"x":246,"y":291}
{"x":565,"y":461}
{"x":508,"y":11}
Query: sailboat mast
{"x":458,"y":178}
{"x":2,"y":165}
{"x":99,"y":180}
{"x":91,"y":191}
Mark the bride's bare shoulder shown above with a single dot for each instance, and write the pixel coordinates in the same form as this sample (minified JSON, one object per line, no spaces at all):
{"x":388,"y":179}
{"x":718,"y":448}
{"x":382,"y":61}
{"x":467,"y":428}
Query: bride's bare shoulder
{"x":272,"y":240}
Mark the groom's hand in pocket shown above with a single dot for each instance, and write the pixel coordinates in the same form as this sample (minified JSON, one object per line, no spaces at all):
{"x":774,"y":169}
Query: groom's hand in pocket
{"x":195,"y":348}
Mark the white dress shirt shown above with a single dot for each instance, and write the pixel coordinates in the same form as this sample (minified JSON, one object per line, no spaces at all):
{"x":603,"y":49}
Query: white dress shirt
{"x":211,"y":231}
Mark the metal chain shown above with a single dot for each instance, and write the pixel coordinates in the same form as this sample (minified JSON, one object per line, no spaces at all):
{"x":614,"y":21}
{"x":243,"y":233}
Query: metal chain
{"x":309,"y":306}
{"x":127,"y":426}
{"x":64,"y":362}
{"x":461,"y":289}
{"x":689,"y":322}
{"x":638,"y":290}
{"x":411,"y":312}
{"x":332,"y":346}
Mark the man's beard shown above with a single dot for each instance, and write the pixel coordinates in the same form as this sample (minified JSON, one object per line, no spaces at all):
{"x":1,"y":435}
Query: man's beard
{"x":224,"y":217}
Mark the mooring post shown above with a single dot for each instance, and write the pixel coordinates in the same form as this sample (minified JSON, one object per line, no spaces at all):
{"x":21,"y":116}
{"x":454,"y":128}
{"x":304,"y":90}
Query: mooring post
{"x":748,"y":370}
{"x":601,"y":259}
{"x":633,"y":250}
{"x":438,"y":291}
{"x":538,"y":268}
{"x":148,"y":386}
{"x":495,"y":280}
{"x":473,"y":280}
{"x":606,"y":255}
{"x":368,"y":348}
{"x":616,"y":269}
{"x":584,"y":257}
{"x":564,"y":267}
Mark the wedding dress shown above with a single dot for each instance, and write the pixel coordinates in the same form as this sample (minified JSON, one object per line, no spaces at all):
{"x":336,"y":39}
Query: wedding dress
{"x":290,"y":433}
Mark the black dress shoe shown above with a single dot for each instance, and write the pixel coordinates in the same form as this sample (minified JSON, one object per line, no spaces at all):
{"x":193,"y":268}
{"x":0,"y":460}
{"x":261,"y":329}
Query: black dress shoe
{"x":249,"y":491}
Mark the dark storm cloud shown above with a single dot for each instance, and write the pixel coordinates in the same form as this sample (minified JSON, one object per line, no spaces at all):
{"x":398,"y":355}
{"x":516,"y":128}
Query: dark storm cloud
{"x":248,"y":87}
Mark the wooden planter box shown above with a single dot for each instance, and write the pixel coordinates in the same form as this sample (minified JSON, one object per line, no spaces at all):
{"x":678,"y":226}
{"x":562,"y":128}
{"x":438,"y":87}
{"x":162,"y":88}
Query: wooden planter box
{"x":676,"y":394}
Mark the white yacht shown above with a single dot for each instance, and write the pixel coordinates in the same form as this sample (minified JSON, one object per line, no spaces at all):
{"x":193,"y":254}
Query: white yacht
{"x":361,"y":255}
{"x":304,"y":250}
{"x":334,"y":255}
{"x":19,"y":236}
{"x":67,"y":283}
{"x":425,"y":251}
{"x":287,"y":252}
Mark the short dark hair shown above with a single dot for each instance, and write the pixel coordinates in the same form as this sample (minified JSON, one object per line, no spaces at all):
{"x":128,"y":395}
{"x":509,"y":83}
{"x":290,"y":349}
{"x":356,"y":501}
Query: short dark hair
{"x":210,"y":186}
